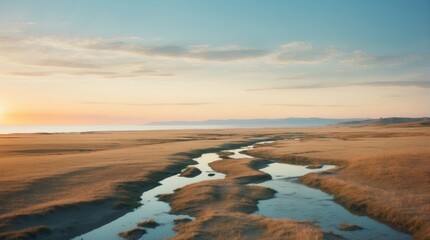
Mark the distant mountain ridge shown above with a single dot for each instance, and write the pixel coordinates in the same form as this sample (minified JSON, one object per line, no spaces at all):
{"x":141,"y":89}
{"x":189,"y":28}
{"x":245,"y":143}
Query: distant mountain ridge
{"x":281,"y":122}
{"x":388,"y":121}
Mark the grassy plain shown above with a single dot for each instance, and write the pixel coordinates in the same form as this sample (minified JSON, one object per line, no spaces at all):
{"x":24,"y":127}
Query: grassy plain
{"x":384,"y":171}
{"x":50,"y":182}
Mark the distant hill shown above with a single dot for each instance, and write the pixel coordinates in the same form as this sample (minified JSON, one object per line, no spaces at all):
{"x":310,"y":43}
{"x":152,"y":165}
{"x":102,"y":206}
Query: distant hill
{"x":424,"y":121}
{"x":282,"y":122}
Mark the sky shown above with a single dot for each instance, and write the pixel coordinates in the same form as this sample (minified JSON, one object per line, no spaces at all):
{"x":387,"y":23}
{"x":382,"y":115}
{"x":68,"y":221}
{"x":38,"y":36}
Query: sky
{"x":132,"y":62}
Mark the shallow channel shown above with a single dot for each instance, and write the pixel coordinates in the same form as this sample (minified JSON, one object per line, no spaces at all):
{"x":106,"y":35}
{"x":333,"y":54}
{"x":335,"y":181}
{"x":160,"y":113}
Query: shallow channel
{"x":292,"y":200}
{"x":299,"y":202}
{"x":154,"y":209}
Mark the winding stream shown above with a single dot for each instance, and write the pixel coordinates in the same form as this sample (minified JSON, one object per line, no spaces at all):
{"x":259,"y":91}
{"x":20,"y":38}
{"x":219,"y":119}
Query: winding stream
{"x":292,"y":200}
{"x":154,"y":209}
{"x":299,"y":202}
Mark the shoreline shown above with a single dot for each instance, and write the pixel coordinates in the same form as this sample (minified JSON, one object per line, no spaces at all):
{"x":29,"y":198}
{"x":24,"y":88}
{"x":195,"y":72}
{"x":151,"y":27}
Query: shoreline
{"x":88,"y":129}
{"x":346,"y":191}
{"x":315,"y":183}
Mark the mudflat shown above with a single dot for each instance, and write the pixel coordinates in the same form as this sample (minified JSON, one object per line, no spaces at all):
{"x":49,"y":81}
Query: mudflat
{"x":57,"y":186}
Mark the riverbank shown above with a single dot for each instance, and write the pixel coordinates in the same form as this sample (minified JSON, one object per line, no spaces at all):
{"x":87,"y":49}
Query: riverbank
{"x":50,"y":182}
{"x":247,"y":189}
{"x":222,"y":207}
{"x":383,"y":173}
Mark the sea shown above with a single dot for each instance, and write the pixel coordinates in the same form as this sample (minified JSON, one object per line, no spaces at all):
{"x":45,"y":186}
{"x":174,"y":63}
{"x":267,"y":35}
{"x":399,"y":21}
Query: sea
{"x":10,"y":129}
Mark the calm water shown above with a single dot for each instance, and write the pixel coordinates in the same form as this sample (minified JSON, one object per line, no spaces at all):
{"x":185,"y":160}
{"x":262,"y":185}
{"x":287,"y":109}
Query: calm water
{"x":299,"y":202}
{"x":292,"y":200}
{"x":152,"y":208}
{"x":8,"y":129}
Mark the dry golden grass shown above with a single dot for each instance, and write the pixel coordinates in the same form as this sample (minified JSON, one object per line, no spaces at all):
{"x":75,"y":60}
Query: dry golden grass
{"x":238,"y":226}
{"x":27,"y":234}
{"x":190,"y":172}
{"x":242,"y":170}
{"x":45,"y":178}
{"x":225,"y":154}
{"x":150,"y":223}
{"x":221,"y":207}
{"x":132,"y":234}
{"x":216,"y":195}
{"x":384,"y":171}
{"x":65,"y":176}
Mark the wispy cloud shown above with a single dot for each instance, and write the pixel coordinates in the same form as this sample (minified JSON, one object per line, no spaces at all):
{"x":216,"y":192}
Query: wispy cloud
{"x":29,"y":74}
{"x":418,"y":84}
{"x":49,"y":56}
{"x":228,"y":54}
{"x":64,"y":64}
{"x":396,"y":96}
{"x":305,"y":105}
{"x":150,"y":104}
{"x":132,"y":57}
{"x":308,"y":53}
{"x":303,"y":53}
{"x":365,"y":59}
{"x":17,"y":27}
{"x":200,"y":52}
{"x":309,"y":86}
{"x":123,"y":57}
{"x":99,"y":73}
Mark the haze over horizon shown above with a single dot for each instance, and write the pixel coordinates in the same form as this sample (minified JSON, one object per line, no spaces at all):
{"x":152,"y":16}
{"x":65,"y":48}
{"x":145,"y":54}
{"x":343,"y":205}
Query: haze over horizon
{"x":131,"y":62}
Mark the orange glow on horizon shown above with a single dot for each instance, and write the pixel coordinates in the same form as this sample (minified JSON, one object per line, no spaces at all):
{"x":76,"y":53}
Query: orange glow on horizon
{"x":64,"y":119}
{"x":1,"y":114}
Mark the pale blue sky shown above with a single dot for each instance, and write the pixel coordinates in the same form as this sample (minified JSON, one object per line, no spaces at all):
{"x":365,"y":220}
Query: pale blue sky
{"x":386,"y":26}
{"x":329,"y":58}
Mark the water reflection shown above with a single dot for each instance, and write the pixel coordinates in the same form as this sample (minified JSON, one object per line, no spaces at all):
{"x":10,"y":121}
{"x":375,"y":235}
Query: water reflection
{"x":152,"y":208}
{"x":292,"y":200}
{"x":299,"y":202}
